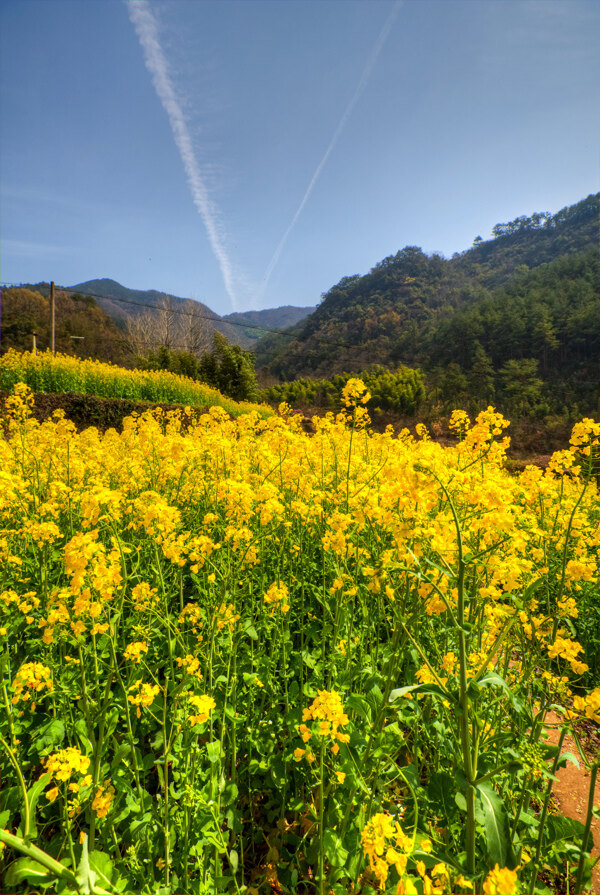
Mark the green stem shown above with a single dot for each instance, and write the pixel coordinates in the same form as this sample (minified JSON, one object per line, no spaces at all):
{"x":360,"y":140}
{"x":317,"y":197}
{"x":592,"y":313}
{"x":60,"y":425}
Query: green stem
{"x":321,"y":813}
{"x":98,"y":754}
{"x":544,"y":814}
{"x":586,"y":832}
{"x":32,"y":851}
{"x":22,"y":784}
{"x":166,"y":784}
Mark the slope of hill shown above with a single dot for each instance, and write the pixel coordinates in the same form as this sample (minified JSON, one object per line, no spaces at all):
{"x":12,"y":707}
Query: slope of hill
{"x":271,"y":318}
{"x":82,"y":327}
{"x":530,"y":294}
{"x":124,"y":305}
{"x":534,"y":240}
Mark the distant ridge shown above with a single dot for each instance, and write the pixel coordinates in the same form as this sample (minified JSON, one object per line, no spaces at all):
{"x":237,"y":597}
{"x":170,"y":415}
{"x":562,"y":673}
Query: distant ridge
{"x":122,"y":303}
{"x":272,"y":318}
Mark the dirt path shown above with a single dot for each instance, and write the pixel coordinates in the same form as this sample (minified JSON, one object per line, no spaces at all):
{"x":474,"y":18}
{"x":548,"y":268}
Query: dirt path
{"x":571,"y":792}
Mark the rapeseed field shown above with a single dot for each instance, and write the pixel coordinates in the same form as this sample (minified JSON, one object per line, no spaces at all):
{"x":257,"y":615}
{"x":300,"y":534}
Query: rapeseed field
{"x":238,"y":658}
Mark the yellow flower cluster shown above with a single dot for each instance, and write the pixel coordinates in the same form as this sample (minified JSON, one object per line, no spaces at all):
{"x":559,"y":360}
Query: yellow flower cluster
{"x":386,"y":844}
{"x":226,"y":616}
{"x":585,"y":436}
{"x":190,"y":664}
{"x":133,"y":651}
{"x":31,"y":678}
{"x":589,"y":705}
{"x":141,"y":694}
{"x":327,"y":711}
{"x":65,"y":762}
{"x":277,"y":598}
{"x":20,"y":404}
{"x":103,"y":799}
{"x":173,"y":530}
{"x":501,"y":881}
{"x":144,"y":597}
{"x":63,"y":765}
{"x":192,"y":616}
{"x":567,"y":649}
{"x":204,"y":706}
{"x":354,"y":393}
{"x":459,"y":422}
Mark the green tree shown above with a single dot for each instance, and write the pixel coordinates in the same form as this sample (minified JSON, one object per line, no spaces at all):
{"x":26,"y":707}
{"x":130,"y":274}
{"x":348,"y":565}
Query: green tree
{"x":230,"y":369}
{"x":521,"y":386}
{"x":453,"y":386}
{"x":481,"y":378}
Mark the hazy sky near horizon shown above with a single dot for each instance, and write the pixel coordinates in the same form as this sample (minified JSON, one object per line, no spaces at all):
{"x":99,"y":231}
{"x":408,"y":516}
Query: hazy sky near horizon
{"x":250,"y":153}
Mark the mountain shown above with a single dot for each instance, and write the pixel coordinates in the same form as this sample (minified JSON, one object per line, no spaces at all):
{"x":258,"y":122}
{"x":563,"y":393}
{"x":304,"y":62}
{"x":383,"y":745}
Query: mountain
{"x":530,"y":294}
{"x":125,"y":305}
{"x":273,"y":318}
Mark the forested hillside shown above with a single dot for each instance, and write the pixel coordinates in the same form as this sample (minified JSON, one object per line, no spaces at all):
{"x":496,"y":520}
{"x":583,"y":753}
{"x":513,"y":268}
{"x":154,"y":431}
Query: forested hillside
{"x":82,"y":327}
{"x":515,"y":319}
{"x":271,"y":318}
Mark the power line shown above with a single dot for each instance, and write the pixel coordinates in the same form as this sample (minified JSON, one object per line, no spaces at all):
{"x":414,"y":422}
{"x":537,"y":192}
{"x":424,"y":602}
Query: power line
{"x":140,"y":304}
{"x":194,"y":315}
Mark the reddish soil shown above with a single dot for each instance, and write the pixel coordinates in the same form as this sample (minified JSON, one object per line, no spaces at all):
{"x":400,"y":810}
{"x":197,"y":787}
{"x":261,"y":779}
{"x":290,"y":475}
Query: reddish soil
{"x":571,"y":791}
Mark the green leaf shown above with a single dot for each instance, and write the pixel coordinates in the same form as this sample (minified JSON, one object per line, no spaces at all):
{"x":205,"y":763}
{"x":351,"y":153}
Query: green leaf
{"x":492,"y":678}
{"x":230,"y":794}
{"x":103,"y":867}
{"x":27,"y":869}
{"x":495,"y":822}
{"x":82,"y":731}
{"x":565,"y":757}
{"x":233,"y":860}
{"x":359,"y":705}
{"x":120,"y":753}
{"x":214,"y":751}
{"x":440,"y":790}
{"x":428,"y":689}
{"x":33,"y":795}
{"x":93,"y":881}
{"x":308,"y":659}
{"x":337,"y":855}
{"x":559,"y":829}
{"x":51,"y":734}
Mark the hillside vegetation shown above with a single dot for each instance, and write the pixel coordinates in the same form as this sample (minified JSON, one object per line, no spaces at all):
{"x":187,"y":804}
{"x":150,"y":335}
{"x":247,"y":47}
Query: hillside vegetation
{"x":514,"y":320}
{"x":27,"y":310}
{"x":61,"y":374}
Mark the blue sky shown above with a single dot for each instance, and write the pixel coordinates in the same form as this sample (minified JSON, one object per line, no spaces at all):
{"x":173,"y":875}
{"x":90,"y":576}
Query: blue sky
{"x":250,"y":153}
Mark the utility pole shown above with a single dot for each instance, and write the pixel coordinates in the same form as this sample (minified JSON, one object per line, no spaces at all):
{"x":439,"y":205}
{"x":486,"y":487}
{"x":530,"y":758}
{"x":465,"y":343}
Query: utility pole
{"x":52,"y":318}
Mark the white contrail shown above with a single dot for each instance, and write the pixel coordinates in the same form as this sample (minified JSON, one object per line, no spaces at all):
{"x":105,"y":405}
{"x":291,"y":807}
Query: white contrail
{"x":364,"y":79}
{"x":146,"y":28}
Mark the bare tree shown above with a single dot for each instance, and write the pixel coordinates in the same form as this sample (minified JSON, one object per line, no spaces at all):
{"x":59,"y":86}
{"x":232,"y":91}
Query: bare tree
{"x":196,"y":331}
{"x":180,"y":326}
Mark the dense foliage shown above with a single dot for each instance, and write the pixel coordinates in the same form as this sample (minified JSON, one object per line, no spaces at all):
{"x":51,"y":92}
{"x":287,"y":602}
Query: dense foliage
{"x":25,"y":311}
{"x":521,"y":308}
{"x":228,"y":368}
{"x":401,"y":390}
{"x":44,"y":372}
{"x":240,"y":656}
